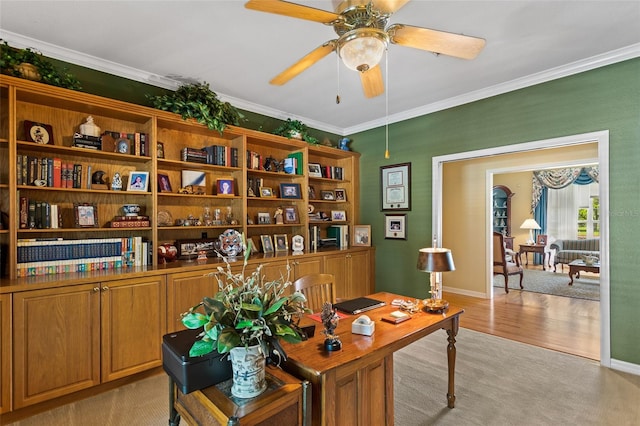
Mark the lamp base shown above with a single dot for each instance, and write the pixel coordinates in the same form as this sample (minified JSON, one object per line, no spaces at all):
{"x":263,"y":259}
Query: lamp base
{"x":435,"y":305}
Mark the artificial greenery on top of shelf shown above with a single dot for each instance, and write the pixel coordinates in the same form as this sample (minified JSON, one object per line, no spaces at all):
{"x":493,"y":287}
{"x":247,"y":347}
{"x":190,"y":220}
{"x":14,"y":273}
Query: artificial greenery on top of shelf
{"x":198,"y":101}
{"x":292,"y":128}
{"x":13,"y":60}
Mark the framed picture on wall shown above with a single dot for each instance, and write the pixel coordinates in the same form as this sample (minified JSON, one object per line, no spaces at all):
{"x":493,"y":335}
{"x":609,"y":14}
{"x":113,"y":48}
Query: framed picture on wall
{"x":395,"y":226}
{"x":395,"y":191}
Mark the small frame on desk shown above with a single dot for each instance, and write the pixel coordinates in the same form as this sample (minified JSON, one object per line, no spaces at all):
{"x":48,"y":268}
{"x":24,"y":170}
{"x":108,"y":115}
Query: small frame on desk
{"x":281,"y":242}
{"x":290,"y":190}
{"x":315,"y":170}
{"x":164,"y":184}
{"x":86,"y":215}
{"x":224,"y":187}
{"x":361,"y":235}
{"x":267,"y":244}
{"x":291,"y":214}
{"x":395,"y":227}
{"x":395,"y":181}
{"x":266,"y":192}
{"x":138,"y":181}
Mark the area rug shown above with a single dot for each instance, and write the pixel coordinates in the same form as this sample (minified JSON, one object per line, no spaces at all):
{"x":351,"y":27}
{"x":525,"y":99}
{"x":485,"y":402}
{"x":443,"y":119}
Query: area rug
{"x":555,"y":283}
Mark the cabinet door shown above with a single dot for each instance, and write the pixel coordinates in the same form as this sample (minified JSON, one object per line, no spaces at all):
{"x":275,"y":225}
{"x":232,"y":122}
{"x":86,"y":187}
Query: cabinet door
{"x":359,"y":274}
{"x":56,"y":342}
{"x":337,"y":265}
{"x":5,"y":355}
{"x":186,"y":290}
{"x":306,"y":266}
{"x":133,"y":321}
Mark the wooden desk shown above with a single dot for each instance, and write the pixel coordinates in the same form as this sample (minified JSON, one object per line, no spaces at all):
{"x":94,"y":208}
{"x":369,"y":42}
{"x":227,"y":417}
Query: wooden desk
{"x":534,"y":248}
{"x":354,"y":386}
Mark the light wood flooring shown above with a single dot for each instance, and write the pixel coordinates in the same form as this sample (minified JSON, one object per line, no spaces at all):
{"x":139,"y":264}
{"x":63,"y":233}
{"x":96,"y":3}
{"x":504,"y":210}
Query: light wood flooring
{"x":554,"y":322}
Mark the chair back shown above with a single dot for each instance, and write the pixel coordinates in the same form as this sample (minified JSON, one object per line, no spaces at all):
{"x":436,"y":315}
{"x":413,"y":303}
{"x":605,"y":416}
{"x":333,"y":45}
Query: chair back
{"x":317,"y":288}
{"x":499,"y":254}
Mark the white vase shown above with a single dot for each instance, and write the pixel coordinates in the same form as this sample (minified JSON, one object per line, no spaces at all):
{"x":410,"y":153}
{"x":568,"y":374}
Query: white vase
{"x":248,"y":366}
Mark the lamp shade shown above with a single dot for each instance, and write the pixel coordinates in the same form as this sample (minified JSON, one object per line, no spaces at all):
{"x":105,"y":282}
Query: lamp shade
{"x":530,"y":224}
{"x":362,"y":48}
{"x":435,"y":259}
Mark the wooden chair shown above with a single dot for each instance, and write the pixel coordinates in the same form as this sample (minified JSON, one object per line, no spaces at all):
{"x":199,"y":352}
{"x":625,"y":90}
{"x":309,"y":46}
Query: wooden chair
{"x":317,"y":288}
{"x":500,"y":264}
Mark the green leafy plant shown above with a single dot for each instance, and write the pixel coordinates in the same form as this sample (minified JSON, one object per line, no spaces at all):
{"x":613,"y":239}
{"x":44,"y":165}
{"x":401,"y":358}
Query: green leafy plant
{"x":246,"y":311}
{"x":12,"y":60}
{"x":199,"y":102}
{"x":290,"y":127}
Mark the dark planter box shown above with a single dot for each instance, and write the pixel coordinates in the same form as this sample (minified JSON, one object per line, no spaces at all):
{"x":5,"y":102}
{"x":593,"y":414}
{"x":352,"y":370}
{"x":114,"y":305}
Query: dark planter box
{"x":192,"y":373}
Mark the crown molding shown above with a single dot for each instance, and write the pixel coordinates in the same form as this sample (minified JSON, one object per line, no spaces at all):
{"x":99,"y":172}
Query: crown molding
{"x":93,"y":62}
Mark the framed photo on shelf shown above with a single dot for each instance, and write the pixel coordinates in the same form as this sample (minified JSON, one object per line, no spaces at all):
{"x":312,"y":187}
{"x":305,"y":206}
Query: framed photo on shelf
{"x":266,"y":192}
{"x":281,"y":242}
{"x":340,"y":194}
{"x":395,"y":181}
{"x":254,"y":246}
{"x":290,"y":190}
{"x":338,"y":216}
{"x":312,"y":192}
{"x":395,"y":226}
{"x":264,"y":218}
{"x":192,"y":248}
{"x":315,"y":170}
{"x":267,"y":244}
{"x":138,"y":181}
{"x":291,"y":214}
{"x":86,"y":215}
{"x":328,"y":195}
{"x":164,"y":185}
{"x":224,"y":186}
{"x":361,"y":235}
{"x":40,"y":133}
{"x":160,"y":150}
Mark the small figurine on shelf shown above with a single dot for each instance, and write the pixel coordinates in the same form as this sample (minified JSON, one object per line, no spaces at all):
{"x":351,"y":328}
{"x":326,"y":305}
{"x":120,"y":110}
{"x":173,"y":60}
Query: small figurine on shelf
{"x":116,"y":182}
{"x":329,"y":317}
{"x":89,"y":128}
{"x":342,"y":144}
{"x":278,"y":216}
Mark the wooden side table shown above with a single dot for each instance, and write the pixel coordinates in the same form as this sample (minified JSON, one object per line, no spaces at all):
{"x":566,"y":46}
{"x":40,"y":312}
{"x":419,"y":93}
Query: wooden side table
{"x":533,"y":248}
{"x":286,"y":402}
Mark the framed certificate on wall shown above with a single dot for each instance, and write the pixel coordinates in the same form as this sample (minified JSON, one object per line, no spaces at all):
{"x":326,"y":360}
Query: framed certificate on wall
{"x":395,"y":187}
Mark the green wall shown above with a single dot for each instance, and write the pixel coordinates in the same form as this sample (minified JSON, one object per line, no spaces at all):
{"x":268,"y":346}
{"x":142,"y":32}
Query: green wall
{"x":607,"y":98}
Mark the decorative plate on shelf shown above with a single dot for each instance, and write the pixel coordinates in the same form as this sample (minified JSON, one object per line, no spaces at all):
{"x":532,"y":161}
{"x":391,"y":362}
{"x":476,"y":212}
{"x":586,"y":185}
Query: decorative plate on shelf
{"x":231,"y":242}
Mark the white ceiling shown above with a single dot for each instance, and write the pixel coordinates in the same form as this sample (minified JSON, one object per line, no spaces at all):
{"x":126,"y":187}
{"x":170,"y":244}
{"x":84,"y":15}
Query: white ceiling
{"x":237,"y":51}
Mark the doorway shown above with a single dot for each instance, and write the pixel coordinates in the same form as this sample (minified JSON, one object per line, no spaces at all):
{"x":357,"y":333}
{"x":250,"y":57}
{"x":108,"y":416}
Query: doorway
{"x":468,"y":215}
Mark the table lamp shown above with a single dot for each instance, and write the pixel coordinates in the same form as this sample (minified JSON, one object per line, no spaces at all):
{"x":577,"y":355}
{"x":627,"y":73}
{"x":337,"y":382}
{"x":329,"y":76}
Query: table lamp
{"x":433,"y":260}
{"x":530,"y":224}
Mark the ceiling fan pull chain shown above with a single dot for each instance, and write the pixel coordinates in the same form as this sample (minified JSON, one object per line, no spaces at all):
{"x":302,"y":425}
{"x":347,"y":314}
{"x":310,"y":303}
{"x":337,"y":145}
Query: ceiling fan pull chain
{"x":386,"y":102}
{"x":338,"y":71}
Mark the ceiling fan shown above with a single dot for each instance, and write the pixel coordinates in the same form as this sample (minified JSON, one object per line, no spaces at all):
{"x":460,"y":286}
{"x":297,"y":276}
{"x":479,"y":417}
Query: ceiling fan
{"x":363,"y":36}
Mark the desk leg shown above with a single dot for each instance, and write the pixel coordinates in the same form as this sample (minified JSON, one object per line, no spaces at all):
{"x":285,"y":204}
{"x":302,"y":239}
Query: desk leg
{"x":174,"y":416}
{"x":451,"y":358}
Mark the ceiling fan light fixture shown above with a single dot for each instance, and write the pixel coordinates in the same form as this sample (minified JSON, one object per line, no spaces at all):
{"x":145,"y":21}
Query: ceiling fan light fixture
{"x":362,"y":49}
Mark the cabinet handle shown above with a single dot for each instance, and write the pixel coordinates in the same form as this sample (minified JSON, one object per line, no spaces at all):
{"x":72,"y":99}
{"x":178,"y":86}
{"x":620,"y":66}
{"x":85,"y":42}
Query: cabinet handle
{"x":105,"y":288}
{"x":349,"y":256}
{"x":96,"y":289}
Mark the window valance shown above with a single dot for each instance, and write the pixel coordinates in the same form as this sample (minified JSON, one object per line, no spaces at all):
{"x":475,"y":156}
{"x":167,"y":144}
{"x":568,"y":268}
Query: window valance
{"x":559,"y":178}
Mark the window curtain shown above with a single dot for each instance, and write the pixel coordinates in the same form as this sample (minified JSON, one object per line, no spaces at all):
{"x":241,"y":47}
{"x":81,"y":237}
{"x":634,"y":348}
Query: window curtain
{"x":542,"y":180}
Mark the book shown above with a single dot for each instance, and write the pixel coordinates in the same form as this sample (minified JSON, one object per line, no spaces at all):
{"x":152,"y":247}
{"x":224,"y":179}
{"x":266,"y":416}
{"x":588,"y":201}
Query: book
{"x":130,"y":223}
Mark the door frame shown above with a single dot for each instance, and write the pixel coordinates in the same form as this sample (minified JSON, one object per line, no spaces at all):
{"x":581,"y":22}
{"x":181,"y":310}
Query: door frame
{"x":599,"y":137}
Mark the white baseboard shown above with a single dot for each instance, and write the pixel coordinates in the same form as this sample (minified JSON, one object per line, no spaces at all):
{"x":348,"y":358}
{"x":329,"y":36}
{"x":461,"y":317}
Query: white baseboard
{"x":465,"y":292}
{"x":626,"y":367}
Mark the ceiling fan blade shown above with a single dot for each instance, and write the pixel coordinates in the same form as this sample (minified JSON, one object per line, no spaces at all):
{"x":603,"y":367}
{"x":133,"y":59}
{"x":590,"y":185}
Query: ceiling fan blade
{"x":389,"y":6}
{"x":372,"y":83}
{"x":304,"y":63}
{"x":460,"y":46}
{"x":293,"y":10}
